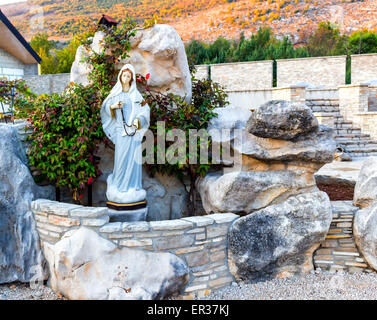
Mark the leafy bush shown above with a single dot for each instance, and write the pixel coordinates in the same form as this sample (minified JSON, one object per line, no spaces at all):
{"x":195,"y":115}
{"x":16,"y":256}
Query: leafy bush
{"x":66,"y":132}
{"x":176,"y":113}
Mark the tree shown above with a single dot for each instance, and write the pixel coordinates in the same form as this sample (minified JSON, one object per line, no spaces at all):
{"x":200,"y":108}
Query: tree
{"x":324,"y":41}
{"x":40,"y":41}
{"x":197,"y":51}
{"x":364,"y":41}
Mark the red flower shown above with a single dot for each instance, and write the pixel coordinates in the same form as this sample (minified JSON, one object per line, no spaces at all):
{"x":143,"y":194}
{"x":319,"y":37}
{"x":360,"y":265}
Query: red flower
{"x":80,"y":196}
{"x":147,"y":76}
{"x":90,"y":180}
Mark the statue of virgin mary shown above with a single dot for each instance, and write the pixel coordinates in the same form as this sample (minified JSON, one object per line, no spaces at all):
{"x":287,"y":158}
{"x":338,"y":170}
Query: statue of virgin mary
{"x":125,"y":120}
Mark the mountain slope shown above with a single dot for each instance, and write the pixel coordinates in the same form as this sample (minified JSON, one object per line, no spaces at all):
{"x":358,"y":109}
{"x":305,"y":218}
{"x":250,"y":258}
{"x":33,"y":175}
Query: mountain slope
{"x":200,"y":19}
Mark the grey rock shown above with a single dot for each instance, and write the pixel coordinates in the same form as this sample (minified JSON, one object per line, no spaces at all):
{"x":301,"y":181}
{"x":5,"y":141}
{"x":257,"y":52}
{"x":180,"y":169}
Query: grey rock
{"x":317,"y":146}
{"x":279,"y":240}
{"x":365,"y":233}
{"x":280,"y":119}
{"x":366,"y":185}
{"x":166,"y":196}
{"x":243,"y":192}
{"x":84,"y":265}
{"x":20,"y":252}
{"x":339,"y":173}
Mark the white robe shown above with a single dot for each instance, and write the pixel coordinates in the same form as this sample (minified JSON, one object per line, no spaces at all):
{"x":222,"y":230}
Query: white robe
{"x":124,"y":185}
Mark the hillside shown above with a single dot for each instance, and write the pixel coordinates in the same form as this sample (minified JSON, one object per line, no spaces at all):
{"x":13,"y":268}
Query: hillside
{"x":195,"y":19}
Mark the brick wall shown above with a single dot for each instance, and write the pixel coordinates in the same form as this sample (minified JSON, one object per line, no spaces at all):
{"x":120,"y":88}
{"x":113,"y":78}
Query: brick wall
{"x":200,"y":241}
{"x":319,"y":71}
{"x":243,"y":75}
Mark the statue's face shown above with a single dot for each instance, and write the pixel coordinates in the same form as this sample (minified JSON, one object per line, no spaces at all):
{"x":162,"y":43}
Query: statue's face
{"x":126,"y":77}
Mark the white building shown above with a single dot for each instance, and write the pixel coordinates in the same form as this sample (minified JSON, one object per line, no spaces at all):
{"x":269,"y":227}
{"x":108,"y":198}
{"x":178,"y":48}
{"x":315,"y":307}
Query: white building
{"x":17,"y":57}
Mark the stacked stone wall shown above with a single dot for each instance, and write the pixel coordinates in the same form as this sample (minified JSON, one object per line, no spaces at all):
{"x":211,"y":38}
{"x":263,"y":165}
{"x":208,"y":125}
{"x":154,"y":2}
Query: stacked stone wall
{"x":338,"y":251}
{"x":200,"y":241}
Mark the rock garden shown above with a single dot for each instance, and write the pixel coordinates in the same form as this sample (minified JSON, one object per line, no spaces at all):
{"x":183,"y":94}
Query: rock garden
{"x":105,"y":195}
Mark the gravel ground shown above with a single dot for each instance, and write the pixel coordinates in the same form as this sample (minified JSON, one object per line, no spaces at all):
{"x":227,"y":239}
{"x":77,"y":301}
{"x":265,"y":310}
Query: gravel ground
{"x":22,"y":291}
{"x":315,"y":286}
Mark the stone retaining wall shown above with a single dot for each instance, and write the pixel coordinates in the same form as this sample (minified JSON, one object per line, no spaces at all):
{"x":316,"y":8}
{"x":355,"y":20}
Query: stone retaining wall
{"x":363,"y":67}
{"x":48,"y":83}
{"x":201,"y":241}
{"x":319,"y":71}
{"x":202,"y":72}
{"x":338,"y":251}
{"x":243,"y":75}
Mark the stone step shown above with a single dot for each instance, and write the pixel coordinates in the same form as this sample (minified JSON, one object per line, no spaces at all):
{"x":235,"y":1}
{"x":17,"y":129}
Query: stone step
{"x":322,"y":102}
{"x":352,"y":131}
{"x":342,"y":121}
{"x":348,"y":135}
{"x":360,"y":155}
{"x":335,"y":114}
{"x":361,"y":149}
{"x":342,"y":125}
{"x":361,"y":146}
{"x":346,"y":141}
{"x":324,"y":108}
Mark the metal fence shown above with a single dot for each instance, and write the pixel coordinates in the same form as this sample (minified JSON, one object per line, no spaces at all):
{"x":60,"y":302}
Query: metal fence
{"x":7,"y":94}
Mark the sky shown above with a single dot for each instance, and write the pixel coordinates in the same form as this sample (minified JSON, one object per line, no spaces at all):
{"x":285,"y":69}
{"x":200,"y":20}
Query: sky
{"x":10,"y":1}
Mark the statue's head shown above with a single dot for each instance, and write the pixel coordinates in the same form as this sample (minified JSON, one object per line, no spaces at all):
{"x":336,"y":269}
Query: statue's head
{"x":126,"y":77}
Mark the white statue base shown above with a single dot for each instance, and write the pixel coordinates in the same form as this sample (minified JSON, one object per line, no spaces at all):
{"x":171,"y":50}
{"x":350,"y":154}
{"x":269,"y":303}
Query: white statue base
{"x":132,"y":195}
{"x":129,"y":215}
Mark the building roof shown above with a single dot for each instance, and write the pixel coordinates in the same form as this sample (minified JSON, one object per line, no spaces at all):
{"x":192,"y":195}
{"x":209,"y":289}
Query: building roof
{"x":107,"y":20}
{"x":14,"y":43}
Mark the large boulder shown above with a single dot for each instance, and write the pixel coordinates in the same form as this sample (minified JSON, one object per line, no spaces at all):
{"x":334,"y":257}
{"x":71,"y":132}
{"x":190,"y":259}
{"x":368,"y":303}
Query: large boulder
{"x":366,"y":185}
{"x":20,"y":254}
{"x":85,"y":266}
{"x":365,"y":233}
{"x":279,"y":240}
{"x":265,"y":170}
{"x":317,"y":146}
{"x":158,"y":51}
{"x":280,"y":119}
{"x":243,"y":192}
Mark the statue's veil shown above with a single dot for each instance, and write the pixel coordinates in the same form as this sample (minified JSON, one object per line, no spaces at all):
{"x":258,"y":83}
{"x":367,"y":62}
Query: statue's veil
{"x":108,"y":122}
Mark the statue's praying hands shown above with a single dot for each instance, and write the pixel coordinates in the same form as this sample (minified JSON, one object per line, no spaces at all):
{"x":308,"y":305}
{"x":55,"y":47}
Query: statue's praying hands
{"x":117,"y":105}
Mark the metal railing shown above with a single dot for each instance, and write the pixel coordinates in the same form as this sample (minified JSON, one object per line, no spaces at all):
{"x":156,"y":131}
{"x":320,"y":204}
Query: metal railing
{"x":6,"y":103}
